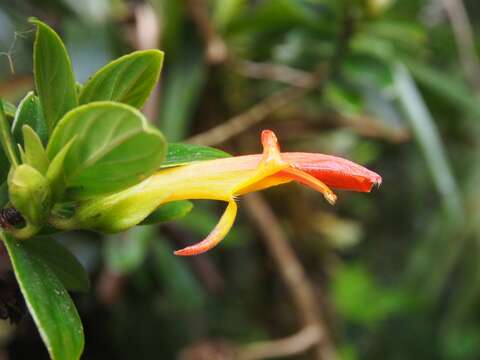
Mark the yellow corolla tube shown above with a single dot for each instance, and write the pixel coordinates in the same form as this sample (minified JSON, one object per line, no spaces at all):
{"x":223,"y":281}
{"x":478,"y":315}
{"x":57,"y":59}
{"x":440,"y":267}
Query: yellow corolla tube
{"x":222,"y":179}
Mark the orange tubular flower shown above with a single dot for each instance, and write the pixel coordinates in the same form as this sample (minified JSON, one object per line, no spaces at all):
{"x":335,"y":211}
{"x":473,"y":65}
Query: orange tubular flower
{"x":228,"y":178}
{"x":224,"y":179}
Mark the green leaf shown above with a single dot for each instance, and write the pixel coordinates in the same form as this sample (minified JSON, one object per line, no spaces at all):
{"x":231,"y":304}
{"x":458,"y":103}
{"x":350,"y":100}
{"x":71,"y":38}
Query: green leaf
{"x":226,"y":10}
{"x":55,"y":174}
{"x":361,"y":300}
{"x":129,"y":79}
{"x":51,"y":307}
{"x":277,"y":15}
{"x":125,"y":252}
{"x":428,"y":136}
{"x":54,"y":78}
{"x":115,"y":148}
{"x":35,"y":154}
{"x":4,"y":166}
{"x":61,"y":261}
{"x":399,"y":33}
{"x":169,"y":212}
{"x":29,"y":113}
{"x":4,"y":194}
{"x":444,"y":84}
{"x":181,"y":154}
{"x":6,"y":138}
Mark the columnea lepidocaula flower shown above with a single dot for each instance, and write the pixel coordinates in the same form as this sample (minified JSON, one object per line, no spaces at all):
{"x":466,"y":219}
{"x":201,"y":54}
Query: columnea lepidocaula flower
{"x":224,"y":180}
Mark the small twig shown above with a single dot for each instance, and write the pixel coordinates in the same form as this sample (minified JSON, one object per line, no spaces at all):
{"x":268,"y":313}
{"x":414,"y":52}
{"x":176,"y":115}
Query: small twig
{"x":276,"y":72}
{"x":289,"y":346}
{"x":298,"y":285}
{"x":216,"y":50}
{"x":464,"y":37}
{"x":8,"y":54}
{"x":372,"y":127}
{"x":255,"y":114}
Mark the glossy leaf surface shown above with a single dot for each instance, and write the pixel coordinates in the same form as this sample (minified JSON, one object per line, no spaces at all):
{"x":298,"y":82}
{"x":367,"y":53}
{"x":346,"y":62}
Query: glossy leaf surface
{"x":30,"y":113}
{"x":49,"y":303}
{"x":35,"y":154}
{"x":129,"y":79}
{"x":54,"y":78}
{"x":114,"y":148}
{"x":169,"y":212}
{"x":61,"y":261}
{"x":180,"y":154}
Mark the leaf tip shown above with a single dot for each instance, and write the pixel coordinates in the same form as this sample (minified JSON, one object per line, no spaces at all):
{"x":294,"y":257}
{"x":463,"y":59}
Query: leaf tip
{"x":33,"y":20}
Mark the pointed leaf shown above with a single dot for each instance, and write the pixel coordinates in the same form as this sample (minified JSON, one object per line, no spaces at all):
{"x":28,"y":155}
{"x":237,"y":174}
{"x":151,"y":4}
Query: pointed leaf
{"x":425,"y":130}
{"x":61,"y":261}
{"x":446,"y":85}
{"x":35,"y":154}
{"x":4,"y":162}
{"x":169,"y":212}
{"x":8,"y":145}
{"x":115,"y":148}
{"x":54,"y":78}
{"x":29,"y":113}
{"x":129,"y":79}
{"x":55,"y":173}
{"x":23,"y":160}
{"x":51,"y":307}
{"x":181,"y":154}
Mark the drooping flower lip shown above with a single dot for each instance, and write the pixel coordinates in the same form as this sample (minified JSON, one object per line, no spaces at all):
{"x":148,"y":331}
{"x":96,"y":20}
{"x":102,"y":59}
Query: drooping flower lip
{"x":334,"y":171}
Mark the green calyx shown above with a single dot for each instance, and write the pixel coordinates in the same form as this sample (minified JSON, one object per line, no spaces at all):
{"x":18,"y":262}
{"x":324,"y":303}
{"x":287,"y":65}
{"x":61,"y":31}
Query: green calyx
{"x":30,"y":194}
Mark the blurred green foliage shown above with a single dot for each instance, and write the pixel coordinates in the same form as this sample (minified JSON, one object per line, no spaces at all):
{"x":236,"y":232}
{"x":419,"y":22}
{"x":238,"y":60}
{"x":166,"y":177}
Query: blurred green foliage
{"x":399,"y":268}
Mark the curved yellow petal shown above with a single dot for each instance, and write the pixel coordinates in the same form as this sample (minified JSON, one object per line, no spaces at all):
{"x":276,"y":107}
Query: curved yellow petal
{"x":217,"y":234}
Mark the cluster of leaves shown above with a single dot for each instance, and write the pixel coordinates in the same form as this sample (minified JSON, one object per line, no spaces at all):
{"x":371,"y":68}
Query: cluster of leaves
{"x":67,"y":143}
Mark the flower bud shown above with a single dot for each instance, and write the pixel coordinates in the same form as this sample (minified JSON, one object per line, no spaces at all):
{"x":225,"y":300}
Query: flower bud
{"x":30,"y":194}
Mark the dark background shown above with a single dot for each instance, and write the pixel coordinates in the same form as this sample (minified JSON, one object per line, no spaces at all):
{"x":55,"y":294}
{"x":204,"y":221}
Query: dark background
{"x":393,"y":85}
